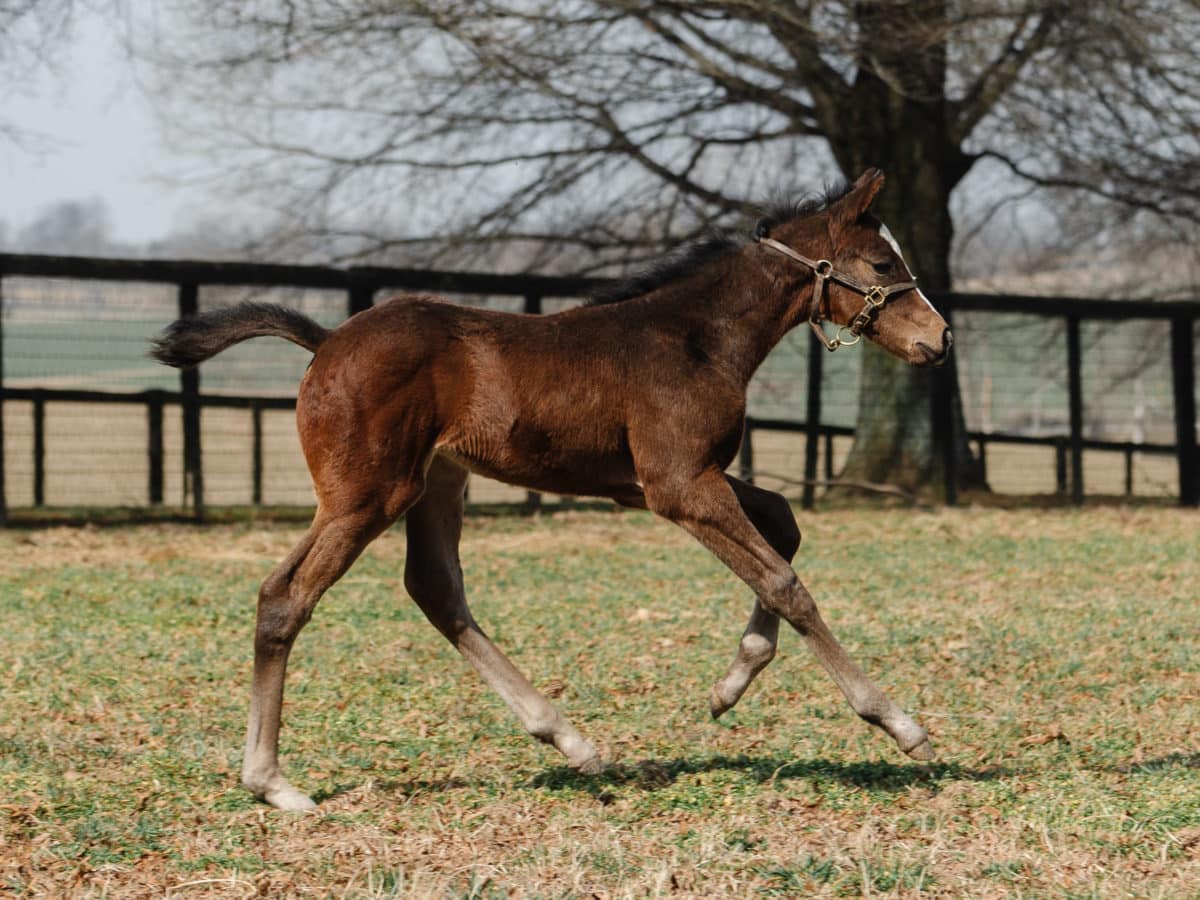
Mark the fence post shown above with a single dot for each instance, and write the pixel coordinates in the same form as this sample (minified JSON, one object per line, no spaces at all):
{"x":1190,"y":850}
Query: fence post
{"x":3,"y":495}
{"x":746,"y":452}
{"x":154,"y":445}
{"x":941,"y":423}
{"x":361,"y":294}
{"x":1183,"y":381}
{"x":812,"y":420}
{"x":39,"y":449}
{"x":533,"y":307}
{"x":256,"y":424}
{"x":189,"y":384}
{"x":1075,"y":398}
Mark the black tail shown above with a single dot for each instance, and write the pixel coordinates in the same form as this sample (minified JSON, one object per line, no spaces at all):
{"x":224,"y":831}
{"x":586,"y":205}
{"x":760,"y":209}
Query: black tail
{"x":189,"y":342}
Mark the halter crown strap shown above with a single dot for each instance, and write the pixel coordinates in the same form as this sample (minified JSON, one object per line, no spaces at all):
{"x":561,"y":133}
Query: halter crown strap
{"x":823,"y":270}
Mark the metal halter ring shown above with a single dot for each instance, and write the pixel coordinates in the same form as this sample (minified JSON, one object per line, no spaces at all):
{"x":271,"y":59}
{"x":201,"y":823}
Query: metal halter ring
{"x":840,"y":341}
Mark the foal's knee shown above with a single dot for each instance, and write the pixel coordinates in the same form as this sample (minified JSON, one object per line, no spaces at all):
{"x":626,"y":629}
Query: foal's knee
{"x":281,"y":615}
{"x":791,"y":601}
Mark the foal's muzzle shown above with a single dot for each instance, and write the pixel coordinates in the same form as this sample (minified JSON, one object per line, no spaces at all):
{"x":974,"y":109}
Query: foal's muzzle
{"x":936,"y":357}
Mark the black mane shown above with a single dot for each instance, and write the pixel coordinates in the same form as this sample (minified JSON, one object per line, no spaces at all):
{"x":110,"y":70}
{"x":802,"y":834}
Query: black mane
{"x":688,"y":258}
{"x":788,"y":209}
{"x":672,"y":266}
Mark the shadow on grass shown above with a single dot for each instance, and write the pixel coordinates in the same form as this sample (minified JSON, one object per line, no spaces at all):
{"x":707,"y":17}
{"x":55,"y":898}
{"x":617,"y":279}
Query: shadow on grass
{"x":1157,"y":764}
{"x":652,"y":774}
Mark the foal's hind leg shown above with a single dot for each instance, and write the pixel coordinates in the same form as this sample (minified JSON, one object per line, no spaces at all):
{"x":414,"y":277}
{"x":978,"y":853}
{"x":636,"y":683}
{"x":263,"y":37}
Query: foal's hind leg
{"x":772,"y":516}
{"x":286,"y":601}
{"x":433,"y":577}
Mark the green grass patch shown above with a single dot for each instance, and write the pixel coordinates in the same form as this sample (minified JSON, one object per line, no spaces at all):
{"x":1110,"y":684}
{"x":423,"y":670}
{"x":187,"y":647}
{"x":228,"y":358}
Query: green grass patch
{"x":1051,"y":654}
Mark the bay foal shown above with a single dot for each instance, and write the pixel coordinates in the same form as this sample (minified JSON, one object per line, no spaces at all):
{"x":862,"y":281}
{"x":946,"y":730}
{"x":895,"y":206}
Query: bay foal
{"x":639,"y":396}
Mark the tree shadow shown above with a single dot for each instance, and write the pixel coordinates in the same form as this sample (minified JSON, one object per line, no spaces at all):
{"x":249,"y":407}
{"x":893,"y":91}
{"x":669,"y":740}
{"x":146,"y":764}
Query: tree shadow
{"x":651,"y":774}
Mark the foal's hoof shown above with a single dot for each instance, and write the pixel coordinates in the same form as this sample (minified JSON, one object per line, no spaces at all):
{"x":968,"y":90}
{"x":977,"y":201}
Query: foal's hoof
{"x":716,"y":705}
{"x":290,"y":800}
{"x":590,"y":766}
{"x":922,"y":752}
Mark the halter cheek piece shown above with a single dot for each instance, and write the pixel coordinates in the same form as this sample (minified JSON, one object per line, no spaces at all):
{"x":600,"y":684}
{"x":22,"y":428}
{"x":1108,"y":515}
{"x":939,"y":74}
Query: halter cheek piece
{"x":875,"y":296}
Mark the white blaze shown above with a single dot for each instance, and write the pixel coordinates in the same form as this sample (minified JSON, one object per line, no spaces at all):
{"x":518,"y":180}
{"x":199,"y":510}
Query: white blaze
{"x":887,"y":236}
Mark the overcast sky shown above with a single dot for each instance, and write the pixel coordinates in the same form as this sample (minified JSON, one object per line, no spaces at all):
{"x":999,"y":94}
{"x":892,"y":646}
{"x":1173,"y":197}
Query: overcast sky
{"x":97,"y":140}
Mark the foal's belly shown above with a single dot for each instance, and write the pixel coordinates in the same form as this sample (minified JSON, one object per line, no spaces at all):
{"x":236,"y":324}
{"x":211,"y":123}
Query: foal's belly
{"x":539,"y":420}
{"x":542,"y":461}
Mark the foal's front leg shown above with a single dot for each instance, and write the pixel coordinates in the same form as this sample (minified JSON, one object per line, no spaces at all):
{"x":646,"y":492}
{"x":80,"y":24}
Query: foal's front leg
{"x":708,"y":508}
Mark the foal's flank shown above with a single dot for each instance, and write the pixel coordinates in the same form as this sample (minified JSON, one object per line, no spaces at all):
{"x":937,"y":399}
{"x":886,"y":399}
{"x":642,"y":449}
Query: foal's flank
{"x":638,"y":396}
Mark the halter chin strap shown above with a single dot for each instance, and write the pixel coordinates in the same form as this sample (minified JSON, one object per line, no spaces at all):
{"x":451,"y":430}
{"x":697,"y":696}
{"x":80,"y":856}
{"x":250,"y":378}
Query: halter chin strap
{"x":823,"y":270}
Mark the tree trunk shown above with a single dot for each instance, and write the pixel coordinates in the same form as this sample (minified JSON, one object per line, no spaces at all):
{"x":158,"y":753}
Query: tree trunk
{"x":900,"y":126}
{"x":894,"y":436}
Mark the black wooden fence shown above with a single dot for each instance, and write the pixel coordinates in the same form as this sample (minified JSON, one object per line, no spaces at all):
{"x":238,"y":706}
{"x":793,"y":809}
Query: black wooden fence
{"x":361,"y":285}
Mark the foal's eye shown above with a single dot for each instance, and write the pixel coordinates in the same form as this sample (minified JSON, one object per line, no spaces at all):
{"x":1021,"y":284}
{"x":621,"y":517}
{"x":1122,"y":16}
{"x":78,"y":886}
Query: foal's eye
{"x":883,"y":267}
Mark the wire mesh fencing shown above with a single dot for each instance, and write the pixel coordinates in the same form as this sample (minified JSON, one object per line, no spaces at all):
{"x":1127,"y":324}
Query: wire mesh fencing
{"x":1014,"y":381}
{"x":1052,"y":392}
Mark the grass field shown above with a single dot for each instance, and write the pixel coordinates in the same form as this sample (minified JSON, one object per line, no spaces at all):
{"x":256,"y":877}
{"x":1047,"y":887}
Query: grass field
{"x":1054,"y":657}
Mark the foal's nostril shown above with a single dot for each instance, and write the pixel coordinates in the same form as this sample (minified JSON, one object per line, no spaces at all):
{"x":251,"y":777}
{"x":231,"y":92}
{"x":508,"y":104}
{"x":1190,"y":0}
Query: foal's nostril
{"x":936,"y":357}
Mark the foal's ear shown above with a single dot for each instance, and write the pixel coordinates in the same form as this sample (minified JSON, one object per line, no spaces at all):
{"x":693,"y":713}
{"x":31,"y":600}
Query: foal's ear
{"x":856,"y":202}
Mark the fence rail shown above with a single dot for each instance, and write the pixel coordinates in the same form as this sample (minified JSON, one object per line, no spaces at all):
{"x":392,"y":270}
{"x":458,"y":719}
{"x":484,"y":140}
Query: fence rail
{"x":360,"y":285}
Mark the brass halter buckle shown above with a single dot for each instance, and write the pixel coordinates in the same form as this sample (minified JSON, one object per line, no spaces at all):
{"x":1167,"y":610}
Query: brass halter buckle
{"x":875,"y":296}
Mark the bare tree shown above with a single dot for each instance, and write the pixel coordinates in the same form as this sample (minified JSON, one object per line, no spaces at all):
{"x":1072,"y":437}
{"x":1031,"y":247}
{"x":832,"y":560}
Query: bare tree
{"x":70,"y":226}
{"x":30,"y":32}
{"x":586,"y":134}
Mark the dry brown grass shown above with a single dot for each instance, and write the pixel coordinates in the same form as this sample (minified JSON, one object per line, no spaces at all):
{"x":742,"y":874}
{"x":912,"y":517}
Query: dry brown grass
{"x":1052,"y":654}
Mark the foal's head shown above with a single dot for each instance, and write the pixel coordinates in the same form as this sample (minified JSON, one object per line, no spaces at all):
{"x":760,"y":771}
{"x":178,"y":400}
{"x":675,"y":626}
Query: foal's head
{"x":862,"y":278}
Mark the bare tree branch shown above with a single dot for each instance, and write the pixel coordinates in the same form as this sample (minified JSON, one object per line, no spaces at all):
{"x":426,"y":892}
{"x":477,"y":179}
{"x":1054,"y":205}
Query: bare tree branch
{"x":30,"y":30}
{"x":994,"y":82}
{"x":493,"y":105}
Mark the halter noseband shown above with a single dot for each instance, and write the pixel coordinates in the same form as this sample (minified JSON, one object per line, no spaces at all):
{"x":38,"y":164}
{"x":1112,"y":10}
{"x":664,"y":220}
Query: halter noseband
{"x":875,"y":295}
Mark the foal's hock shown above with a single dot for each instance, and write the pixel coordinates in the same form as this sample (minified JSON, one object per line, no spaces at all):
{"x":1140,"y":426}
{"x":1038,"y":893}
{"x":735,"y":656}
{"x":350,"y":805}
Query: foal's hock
{"x":638,"y":396}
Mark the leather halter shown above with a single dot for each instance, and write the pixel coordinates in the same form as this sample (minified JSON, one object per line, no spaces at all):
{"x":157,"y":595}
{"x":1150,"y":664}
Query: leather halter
{"x":875,"y":295}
